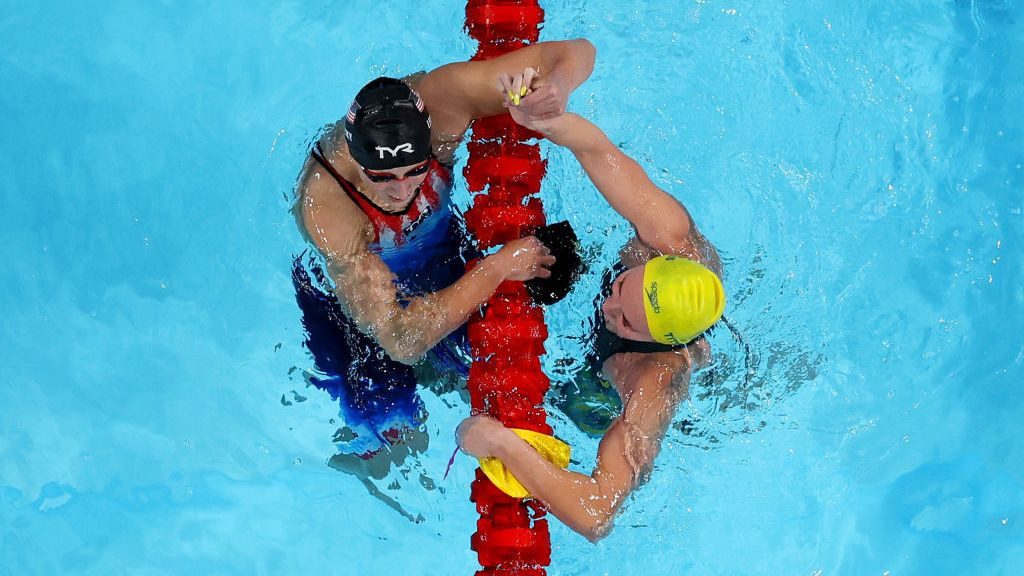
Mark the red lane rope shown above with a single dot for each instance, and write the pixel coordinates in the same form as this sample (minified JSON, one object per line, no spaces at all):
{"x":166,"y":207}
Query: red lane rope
{"x":506,"y":380}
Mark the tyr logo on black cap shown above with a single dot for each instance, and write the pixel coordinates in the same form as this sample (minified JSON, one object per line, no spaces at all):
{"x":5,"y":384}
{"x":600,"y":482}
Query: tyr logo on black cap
{"x":407,"y":148}
{"x":387,"y":126}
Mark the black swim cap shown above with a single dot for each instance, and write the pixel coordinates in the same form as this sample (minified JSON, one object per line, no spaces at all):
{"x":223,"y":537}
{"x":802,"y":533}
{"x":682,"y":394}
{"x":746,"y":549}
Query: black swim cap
{"x":561,"y":240}
{"x":387,"y":126}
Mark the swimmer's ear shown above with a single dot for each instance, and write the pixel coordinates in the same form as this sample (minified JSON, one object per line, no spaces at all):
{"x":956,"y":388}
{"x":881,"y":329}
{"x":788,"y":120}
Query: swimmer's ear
{"x":561,"y":240}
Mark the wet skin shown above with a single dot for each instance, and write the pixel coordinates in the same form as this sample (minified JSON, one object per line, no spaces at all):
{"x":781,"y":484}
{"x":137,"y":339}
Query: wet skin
{"x":623,"y":310}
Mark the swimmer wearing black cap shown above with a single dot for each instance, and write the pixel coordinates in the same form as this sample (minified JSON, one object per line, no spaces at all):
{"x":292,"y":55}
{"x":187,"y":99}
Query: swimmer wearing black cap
{"x":388,"y":284}
{"x":665,"y":294}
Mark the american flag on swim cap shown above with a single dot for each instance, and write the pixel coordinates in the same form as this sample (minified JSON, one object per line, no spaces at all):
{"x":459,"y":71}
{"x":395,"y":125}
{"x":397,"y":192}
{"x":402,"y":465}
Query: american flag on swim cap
{"x":351,"y":116}
{"x":417,"y":100}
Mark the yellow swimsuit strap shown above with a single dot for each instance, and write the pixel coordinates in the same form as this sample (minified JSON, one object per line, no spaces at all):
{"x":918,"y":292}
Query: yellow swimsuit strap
{"x":552,"y":449}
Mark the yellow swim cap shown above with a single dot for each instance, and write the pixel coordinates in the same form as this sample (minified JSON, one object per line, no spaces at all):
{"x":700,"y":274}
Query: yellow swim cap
{"x":552,"y":449}
{"x":682,"y":299}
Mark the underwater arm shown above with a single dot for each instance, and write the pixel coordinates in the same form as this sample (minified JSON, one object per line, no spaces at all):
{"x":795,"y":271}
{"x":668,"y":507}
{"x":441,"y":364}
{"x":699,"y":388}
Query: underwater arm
{"x":366,"y":286}
{"x":588,"y":503}
{"x":585,"y":503}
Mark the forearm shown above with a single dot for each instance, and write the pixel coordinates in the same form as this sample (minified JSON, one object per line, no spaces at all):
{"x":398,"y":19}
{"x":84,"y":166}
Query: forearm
{"x":584,"y":503}
{"x":572,"y":131}
{"x":427,"y":319}
{"x":661,"y":221}
{"x":625,"y":455}
{"x":613,"y":173}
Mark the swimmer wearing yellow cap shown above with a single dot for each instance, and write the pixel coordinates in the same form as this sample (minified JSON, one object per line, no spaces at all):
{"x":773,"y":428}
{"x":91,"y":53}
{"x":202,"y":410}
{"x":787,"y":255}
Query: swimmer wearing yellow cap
{"x":652,"y":320}
{"x":670,"y":300}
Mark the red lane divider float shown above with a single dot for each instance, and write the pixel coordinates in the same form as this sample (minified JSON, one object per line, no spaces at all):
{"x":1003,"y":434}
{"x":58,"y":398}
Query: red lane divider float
{"x":507,"y":340}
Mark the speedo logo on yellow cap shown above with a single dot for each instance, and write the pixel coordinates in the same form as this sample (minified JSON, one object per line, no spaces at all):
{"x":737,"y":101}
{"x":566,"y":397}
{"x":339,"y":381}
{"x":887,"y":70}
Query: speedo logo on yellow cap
{"x":652,"y":297}
{"x":684,"y":298}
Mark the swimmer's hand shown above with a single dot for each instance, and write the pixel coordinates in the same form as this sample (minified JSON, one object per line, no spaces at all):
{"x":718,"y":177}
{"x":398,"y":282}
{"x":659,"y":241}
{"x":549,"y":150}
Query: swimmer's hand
{"x":542,"y":125}
{"x":531,"y":113}
{"x":524,"y":259}
{"x":533,"y":96}
{"x":482,"y":436}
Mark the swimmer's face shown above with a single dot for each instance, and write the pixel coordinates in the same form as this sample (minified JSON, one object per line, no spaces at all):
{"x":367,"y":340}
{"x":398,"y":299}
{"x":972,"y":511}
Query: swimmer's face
{"x":623,"y":310}
{"x":394,"y":189}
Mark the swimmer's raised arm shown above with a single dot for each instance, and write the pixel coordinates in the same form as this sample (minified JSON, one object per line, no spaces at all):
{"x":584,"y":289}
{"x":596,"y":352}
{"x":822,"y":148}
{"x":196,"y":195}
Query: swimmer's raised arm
{"x":458,"y":93}
{"x":660,"y":220}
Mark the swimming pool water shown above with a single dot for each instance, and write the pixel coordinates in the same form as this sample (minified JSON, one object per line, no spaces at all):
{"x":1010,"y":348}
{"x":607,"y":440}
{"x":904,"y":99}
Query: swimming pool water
{"x":859,"y":166}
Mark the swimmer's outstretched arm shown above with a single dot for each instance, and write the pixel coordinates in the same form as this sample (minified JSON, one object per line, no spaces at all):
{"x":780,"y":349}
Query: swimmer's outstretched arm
{"x":460,"y":92}
{"x":660,"y":220}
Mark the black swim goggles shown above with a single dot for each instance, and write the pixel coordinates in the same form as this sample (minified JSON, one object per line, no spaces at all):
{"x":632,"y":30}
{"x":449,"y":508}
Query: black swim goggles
{"x":380,"y":177}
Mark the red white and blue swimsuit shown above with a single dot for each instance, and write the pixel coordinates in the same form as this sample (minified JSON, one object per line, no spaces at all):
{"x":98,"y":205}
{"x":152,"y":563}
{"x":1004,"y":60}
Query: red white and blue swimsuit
{"x":426,"y":248}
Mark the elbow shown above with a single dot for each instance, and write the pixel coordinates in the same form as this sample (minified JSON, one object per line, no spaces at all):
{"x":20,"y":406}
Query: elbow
{"x":576,"y":56}
{"x":595,"y":536}
{"x":673,"y":240}
{"x":597,"y":528}
{"x":586,"y":53}
{"x":403,"y":357}
{"x":403,"y":351}
{"x":594,"y":522}
{"x":586,"y":50}
{"x":676,"y":242}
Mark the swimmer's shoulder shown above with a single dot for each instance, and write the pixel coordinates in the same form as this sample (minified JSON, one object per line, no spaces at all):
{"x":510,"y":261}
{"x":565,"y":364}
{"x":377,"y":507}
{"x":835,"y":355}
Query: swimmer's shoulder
{"x":414,"y":79}
{"x":627,"y":370}
{"x":325,"y":213}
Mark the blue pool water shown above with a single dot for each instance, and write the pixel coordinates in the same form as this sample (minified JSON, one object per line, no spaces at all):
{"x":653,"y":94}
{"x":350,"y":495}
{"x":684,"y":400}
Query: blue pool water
{"x":859,"y":166}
